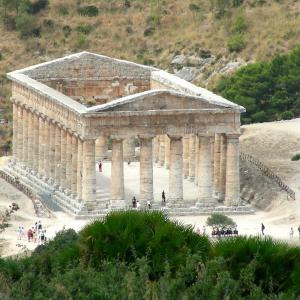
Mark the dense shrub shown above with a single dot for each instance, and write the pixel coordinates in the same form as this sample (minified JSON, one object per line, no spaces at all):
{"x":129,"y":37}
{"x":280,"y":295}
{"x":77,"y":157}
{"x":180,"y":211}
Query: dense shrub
{"x":287,"y":115}
{"x":84,"y":28}
{"x":219,"y":220}
{"x":36,"y":6}
{"x":67,"y":30}
{"x":236,"y":43}
{"x":26,"y":25}
{"x":296,"y":157}
{"x":266,"y":89}
{"x":89,"y":11}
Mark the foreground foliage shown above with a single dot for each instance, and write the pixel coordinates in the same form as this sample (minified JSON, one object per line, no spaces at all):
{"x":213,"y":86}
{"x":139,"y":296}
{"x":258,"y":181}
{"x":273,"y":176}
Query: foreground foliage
{"x":268,"y":90}
{"x":142,"y":255}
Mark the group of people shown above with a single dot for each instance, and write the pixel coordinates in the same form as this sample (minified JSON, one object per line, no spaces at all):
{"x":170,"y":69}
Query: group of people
{"x":136,"y":203}
{"x":35,"y":234}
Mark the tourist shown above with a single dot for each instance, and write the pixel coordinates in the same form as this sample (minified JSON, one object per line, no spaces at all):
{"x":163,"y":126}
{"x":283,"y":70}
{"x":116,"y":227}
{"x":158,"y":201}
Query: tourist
{"x":100,"y":166}
{"x":29,"y":235}
{"x":292,"y":233}
{"x":128,"y":162}
{"x":204,"y":230}
{"x":40,"y":225}
{"x":134,"y":202}
{"x":22,"y":233}
{"x":262,"y":229}
{"x":299,"y":231}
{"x":148,"y":204}
{"x":19,"y":231}
{"x":138,"y":204}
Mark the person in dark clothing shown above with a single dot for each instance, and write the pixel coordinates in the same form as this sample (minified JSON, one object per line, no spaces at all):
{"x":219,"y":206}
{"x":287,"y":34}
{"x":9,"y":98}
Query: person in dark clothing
{"x":262,"y":229}
{"x":100,"y":166}
{"x":134,"y":202}
{"x":163,"y":198}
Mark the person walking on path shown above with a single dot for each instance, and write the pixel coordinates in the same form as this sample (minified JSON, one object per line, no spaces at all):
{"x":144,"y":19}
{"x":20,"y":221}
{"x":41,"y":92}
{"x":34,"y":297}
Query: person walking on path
{"x":134,"y":202}
{"x":163,"y":198}
{"x":262,"y":229}
{"x":100,"y":166}
{"x":292,"y":233}
{"x":148,"y":204}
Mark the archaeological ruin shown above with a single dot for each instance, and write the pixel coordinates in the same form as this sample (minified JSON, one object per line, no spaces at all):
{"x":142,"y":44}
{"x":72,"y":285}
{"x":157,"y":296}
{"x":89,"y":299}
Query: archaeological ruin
{"x":67,"y":111}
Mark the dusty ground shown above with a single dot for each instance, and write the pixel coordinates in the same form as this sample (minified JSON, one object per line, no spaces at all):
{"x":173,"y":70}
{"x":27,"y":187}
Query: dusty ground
{"x":273,"y":143}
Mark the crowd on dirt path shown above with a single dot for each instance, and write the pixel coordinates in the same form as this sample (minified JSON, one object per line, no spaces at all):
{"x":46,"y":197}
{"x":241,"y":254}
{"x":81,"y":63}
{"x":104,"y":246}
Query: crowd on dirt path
{"x":35,"y":234}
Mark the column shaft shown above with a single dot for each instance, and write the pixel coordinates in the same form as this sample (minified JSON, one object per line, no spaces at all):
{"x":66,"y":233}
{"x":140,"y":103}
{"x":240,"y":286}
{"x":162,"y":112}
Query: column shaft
{"x":197,"y":154}
{"x":69,"y":161}
{"x":175,"y":173}
{"x":205,"y":181}
{"x":232,"y":196}
{"x":15,"y":132}
{"x":167,"y":152}
{"x":57,"y":154}
{"x":41,"y":151}
{"x":30,"y":122}
{"x":217,"y":155}
{"x":117,"y":171}
{"x":47,"y":148}
{"x":25,"y":136}
{"x":89,"y":174}
{"x":101,"y":148}
{"x":223,"y":158}
{"x":146,"y":170}
{"x":36,"y":142}
{"x":129,"y":149}
{"x":79,"y":169}
{"x":161,"y":150}
{"x":74,"y":164}
{"x":20,"y":134}
{"x":192,"y":157}
{"x":51,"y":161}
{"x":186,"y":142}
{"x":156,"y":149}
{"x":63,"y":142}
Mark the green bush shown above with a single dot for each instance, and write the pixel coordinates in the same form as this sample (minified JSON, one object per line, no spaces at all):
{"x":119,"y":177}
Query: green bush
{"x":296,"y":157}
{"x":239,"y":25}
{"x":26,"y":25}
{"x":89,"y":11}
{"x":81,"y":41}
{"x":287,"y":115}
{"x":84,"y":28}
{"x":67,"y":30}
{"x":36,"y":6}
{"x":236,"y":43}
{"x":130,"y":235}
{"x":219,"y":220}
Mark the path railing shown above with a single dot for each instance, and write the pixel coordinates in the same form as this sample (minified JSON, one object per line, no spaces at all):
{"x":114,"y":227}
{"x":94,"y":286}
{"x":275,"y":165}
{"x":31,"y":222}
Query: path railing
{"x":39,"y":208}
{"x":269,"y":173}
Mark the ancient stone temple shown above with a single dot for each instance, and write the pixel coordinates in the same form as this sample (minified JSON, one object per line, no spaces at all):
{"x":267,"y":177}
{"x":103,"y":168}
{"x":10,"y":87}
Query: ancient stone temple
{"x":65,"y":111}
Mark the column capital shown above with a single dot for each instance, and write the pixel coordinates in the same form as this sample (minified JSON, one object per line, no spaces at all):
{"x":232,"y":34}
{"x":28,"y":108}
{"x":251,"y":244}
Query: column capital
{"x":116,"y":137}
{"x":146,"y":136}
{"x":207,"y":134}
{"x":174,"y":137}
{"x":231,"y":137}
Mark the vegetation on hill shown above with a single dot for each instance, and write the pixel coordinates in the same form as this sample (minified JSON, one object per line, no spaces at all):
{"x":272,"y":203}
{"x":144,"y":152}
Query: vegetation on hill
{"x":268,"y":90}
{"x":118,"y":258}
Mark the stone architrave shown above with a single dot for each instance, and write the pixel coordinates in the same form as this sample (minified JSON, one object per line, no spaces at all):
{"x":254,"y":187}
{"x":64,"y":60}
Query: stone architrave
{"x":205,"y":181}
{"x":223,"y":158}
{"x":217,"y":155}
{"x":63,"y":142}
{"x":101,"y":148}
{"x":192,"y":157}
{"x":185,"y":144}
{"x":25,"y":137}
{"x":146,"y":170}
{"x":20,"y":134}
{"x":74,"y":165}
{"x":161,"y":150}
{"x":57,"y":155}
{"x":117,"y":175}
{"x":89,"y":174}
{"x":232,"y":193}
{"x":129,"y":149}
{"x":36,"y":142}
{"x":15,"y":132}
{"x":175,"y":173}
{"x":79,"y":169}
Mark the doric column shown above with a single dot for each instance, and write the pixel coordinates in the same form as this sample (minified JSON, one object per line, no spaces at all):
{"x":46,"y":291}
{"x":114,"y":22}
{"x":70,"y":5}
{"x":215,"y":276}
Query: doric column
{"x":30,"y":121}
{"x":223,"y":158}
{"x":192,"y":156}
{"x":197,"y":154}
{"x":20,"y":134}
{"x":74,"y":164}
{"x":217,"y":155}
{"x":156,"y":149}
{"x":117,"y":174}
{"x":89,"y":174}
{"x":161,"y":150}
{"x":175,"y":173}
{"x":36,"y":142}
{"x":69,"y":162}
{"x":25,"y":137}
{"x":41,"y":155}
{"x":63,"y":159}
{"x":205,"y":181}
{"x":167,"y":152}
{"x":146,"y":169}
{"x":185,"y":145}
{"x":51,"y":161}
{"x":232,"y":194}
{"x":79,"y":169}
{"x":101,"y":147}
{"x":57,"y":154}
{"x":129,"y":149}
{"x":47,"y":147}
{"x":15,"y":132}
